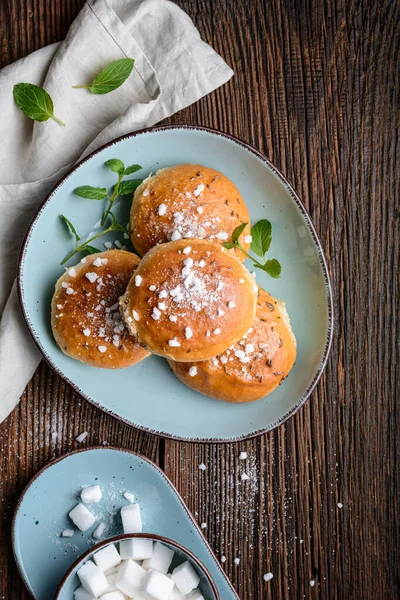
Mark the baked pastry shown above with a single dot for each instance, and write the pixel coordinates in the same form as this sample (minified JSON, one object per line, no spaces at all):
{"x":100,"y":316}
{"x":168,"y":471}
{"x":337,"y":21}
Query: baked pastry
{"x":85,"y":317}
{"x":189,"y":300}
{"x":254,"y":366}
{"x":187,"y":201}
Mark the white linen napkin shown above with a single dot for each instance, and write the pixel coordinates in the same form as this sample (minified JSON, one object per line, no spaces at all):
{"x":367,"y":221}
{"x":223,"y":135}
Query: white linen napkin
{"x":174,"y":68}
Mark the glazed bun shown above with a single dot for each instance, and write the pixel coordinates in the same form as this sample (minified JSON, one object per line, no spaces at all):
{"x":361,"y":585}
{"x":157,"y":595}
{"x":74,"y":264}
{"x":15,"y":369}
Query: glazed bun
{"x":85,"y":316}
{"x":254,"y":366}
{"x":189,"y":300}
{"x":187,"y":201}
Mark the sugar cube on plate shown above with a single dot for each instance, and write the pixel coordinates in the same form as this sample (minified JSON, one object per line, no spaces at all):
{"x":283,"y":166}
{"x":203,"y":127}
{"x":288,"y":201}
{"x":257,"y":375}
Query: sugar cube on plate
{"x":175,"y":594}
{"x":98,"y":532}
{"x":112,"y":596}
{"x":82,"y":517}
{"x":130,"y":577}
{"x":107,"y":558}
{"x":157,"y":586}
{"x":111,"y":579}
{"x":82,"y":594}
{"x":185,"y":578}
{"x":136,"y":549}
{"x":93,"y":579}
{"x":91,"y":494}
{"x":161,"y":559}
{"x":131,"y":519}
{"x":195,"y":595}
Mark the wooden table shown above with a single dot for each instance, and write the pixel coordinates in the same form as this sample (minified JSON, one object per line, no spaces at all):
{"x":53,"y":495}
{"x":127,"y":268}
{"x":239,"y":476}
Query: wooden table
{"x":317,"y":89}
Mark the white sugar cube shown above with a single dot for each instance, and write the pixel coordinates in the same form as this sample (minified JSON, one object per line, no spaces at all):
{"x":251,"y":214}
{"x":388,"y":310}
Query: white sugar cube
{"x":115,"y":595}
{"x":157,"y":586}
{"x":185,"y":577}
{"x":111,"y":579}
{"x":175,"y":594}
{"x":131,"y":519}
{"x":93,"y":579}
{"x":107,"y":558}
{"x":130,"y":578}
{"x":82,"y":594}
{"x":136,"y":549}
{"x":82,"y":517}
{"x":196,"y":595}
{"x":91,"y":494}
{"x":98,"y":532}
{"x":161,"y":559}
{"x":67,"y":533}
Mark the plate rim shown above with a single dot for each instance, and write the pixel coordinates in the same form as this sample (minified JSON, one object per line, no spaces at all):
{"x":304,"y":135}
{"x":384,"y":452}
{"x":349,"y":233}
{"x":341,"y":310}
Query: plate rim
{"x":320,"y":254}
{"x":119,"y":449}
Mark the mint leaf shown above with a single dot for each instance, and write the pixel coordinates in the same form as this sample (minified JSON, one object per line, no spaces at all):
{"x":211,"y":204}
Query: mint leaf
{"x":261,"y":234}
{"x":71,"y":228}
{"x":91,"y":249}
{"x":93,"y":193}
{"x":111,"y":77}
{"x":273,"y":268}
{"x":116,"y":165}
{"x":229,"y":245}
{"x":237,"y":232}
{"x":126,"y":188}
{"x":115,"y":226}
{"x":132,"y":169}
{"x":34,"y":102}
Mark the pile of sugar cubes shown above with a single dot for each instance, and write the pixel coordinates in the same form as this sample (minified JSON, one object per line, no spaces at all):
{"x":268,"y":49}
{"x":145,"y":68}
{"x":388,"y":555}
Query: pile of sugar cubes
{"x":139,"y":571}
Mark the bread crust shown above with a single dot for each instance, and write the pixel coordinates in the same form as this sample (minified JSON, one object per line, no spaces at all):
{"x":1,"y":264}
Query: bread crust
{"x":233,"y":380}
{"x":88,"y":318}
{"x":189,"y":300}
{"x":196,"y":202}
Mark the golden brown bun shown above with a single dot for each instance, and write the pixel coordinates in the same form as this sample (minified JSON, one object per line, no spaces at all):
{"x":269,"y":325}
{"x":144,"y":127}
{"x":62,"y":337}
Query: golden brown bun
{"x":215,"y":211}
{"x":88,"y":318}
{"x":209,"y":278}
{"x":231,"y":378}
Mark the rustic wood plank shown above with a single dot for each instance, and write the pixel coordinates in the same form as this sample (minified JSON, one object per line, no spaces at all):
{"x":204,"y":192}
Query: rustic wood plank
{"x":317,"y":89}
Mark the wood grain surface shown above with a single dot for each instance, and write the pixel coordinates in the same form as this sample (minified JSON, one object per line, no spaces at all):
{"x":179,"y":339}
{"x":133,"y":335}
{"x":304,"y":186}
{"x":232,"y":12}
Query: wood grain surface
{"x":317,"y":89}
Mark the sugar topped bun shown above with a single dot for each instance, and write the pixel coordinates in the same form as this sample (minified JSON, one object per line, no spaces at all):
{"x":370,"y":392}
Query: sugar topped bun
{"x":187,"y":201}
{"x":255,"y":365}
{"x":189,"y":300}
{"x":85,"y":319}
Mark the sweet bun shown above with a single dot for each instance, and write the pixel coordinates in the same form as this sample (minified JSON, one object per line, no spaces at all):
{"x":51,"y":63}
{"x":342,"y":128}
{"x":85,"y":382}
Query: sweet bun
{"x":254,"y":366}
{"x":85,"y":316}
{"x":187,"y":201}
{"x":189,"y":300}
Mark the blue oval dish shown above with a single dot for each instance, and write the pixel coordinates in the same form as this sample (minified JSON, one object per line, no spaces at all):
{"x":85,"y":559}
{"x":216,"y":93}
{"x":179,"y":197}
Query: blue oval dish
{"x":148,"y":395}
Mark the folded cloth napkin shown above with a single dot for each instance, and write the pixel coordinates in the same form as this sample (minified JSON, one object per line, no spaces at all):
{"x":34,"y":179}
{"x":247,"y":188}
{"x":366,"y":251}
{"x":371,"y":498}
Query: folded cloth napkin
{"x":174,"y":68}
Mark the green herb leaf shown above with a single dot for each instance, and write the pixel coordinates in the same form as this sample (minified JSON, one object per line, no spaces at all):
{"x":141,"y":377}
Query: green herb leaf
{"x":34,"y":102}
{"x":273,"y":268}
{"x":229,"y":245}
{"x":237,"y":232}
{"x":116,"y":165}
{"x":132,"y":169}
{"x":93,"y":193}
{"x":261,"y":233}
{"x":126,"y":188}
{"x":91,"y":249}
{"x":115,"y":226}
{"x":110,"y":78}
{"x":71,"y":228}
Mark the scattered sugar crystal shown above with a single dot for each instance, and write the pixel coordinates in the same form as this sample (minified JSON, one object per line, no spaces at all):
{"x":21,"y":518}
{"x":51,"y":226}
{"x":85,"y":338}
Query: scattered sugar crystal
{"x":118,"y":244}
{"x":239,"y":353}
{"x":59,"y":306}
{"x":91,"y":494}
{"x":173,"y":318}
{"x":174,"y":343}
{"x":311,"y":583}
{"x":98,"y":532}
{"x":162,"y":209}
{"x":67,"y":533}
{"x":243,"y":456}
{"x":188,"y":333}
{"x":130,"y":497}
{"x":93,"y":579}
{"x":193,"y":371}
{"x":185,"y":577}
{"x":156,"y":314}
{"x":236,"y":561}
{"x":138,"y":280}
{"x":175,"y":236}
{"x":199,"y":189}
{"x":97,"y":262}
{"x":208,"y":334}
{"x":202,"y":263}
{"x":249,"y":348}
{"x":188,"y":262}
{"x":203,"y":525}
{"x":86,"y":332}
{"x":178,"y":217}
{"x":135,"y":315}
{"x":244,"y":477}
{"x":215,"y":361}
{"x":131,"y":519}
{"x":126,"y":236}
{"x":64,"y":284}
{"x":157,"y":586}
{"x":146,"y":192}
{"x":267,"y":576}
{"x":136,"y":549}
{"x":107,"y":245}
{"x":102,"y":349}
{"x":220,"y":312}
{"x":162,"y":305}
{"x":91,"y":276}
{"x":152,"y":288}
{"x":130,"y":578}
{"x":161,"y":558}
{"x":241,"y":280}
{"x":255,"y":288}
{"x":54,"y":435}
{"x":202,"y":467}
{"x":217,"y":331}
{"x":200,"y":210}
{"x":83,"y":260}
{"x":107,"y":558}
{"x":81,"y":517}
{"x":248,"y":239}
{"x":72,"y":272}
{"x":340,"y":505}
{"x":69,"y":290}
{"x":163,"y":294}
{"x":82,"y":436}
{"x":186,"y":250}
{"x":223,"y":559}
{"x":222,"y":235}
{"x":223,"y":360}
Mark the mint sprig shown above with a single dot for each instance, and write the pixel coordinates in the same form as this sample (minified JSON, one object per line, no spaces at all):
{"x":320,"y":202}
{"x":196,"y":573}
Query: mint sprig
{"x":111,"y":77}
{"x":121,"y":188}
{"x":261,"y":234}
{"x":86,"y":246}
{"x":35,"y":102}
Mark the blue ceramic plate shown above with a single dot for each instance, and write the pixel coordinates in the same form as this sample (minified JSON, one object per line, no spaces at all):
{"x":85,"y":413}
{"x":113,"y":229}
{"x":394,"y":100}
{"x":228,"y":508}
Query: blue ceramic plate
{"x":148,"y":395}
{"x":43,"y":557}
